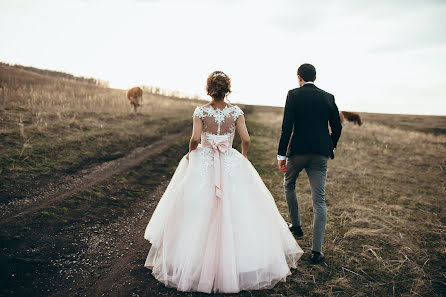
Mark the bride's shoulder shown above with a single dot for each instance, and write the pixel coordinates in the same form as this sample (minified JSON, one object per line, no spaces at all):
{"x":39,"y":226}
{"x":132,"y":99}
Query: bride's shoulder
{"x":236,"y":111}
{"x":237,"y":108}
{"x":199,"y":111}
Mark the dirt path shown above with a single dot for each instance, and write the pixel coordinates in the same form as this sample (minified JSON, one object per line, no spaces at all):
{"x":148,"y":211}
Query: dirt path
{"x":109,"y":258}
{"x":101,"y":259}
{"x":112,"y":264}
{"x":85,"y":179}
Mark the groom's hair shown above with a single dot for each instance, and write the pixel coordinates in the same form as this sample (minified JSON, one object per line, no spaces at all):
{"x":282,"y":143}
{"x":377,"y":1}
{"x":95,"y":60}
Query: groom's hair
{"x":307,"y":72}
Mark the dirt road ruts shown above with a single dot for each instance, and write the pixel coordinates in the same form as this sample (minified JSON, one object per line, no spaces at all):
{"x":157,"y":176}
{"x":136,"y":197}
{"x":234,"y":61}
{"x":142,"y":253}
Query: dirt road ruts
{"x":72,"y":184}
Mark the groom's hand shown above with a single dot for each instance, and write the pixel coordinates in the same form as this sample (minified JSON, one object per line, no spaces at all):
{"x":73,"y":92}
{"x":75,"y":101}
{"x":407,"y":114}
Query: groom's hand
{"x":282,"y":165}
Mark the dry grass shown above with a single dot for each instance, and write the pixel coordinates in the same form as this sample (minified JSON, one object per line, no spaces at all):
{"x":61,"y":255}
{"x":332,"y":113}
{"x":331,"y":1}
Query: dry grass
{"x":386,"y":215}
{"x":385,"y":188}
{"x":51,"y":126}
{"x":29,"y":98}
{"x":428,"y":124}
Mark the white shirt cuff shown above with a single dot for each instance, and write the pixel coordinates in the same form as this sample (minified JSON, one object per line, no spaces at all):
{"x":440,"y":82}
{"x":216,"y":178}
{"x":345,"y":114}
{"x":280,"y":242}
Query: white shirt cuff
{"x":280,"y":158}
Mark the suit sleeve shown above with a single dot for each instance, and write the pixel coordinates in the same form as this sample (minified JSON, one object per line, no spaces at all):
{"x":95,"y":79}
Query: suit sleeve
{"x":287,"y":127}
{"x":335,"y":123}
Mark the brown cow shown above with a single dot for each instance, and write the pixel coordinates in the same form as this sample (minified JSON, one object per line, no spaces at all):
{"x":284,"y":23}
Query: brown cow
{"x":135,"y":97}
{"x":350,"y":117}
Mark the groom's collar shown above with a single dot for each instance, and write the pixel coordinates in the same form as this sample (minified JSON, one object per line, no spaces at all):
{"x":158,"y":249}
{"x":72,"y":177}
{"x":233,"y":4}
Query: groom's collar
{"x":309,"y":84}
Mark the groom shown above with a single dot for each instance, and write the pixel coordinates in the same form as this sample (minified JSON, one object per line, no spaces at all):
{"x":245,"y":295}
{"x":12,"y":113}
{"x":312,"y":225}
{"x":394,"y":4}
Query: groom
{"x":305,"y":143}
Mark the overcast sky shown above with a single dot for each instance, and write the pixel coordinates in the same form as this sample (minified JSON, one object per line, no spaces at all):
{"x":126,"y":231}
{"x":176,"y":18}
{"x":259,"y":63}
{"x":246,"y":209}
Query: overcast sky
{"x":375,"y":56}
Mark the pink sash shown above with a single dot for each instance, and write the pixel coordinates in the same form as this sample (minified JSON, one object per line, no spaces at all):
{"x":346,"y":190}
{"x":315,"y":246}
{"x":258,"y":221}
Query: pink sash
{"x":218,"y":147}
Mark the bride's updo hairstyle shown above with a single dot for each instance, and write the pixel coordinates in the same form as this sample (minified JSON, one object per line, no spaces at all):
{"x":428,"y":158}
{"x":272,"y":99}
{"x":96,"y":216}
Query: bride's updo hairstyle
{"x":218,"y":85}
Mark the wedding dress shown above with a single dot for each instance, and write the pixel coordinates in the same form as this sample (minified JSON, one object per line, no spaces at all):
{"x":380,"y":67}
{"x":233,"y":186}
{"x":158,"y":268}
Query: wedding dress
{"x":217,"y":228}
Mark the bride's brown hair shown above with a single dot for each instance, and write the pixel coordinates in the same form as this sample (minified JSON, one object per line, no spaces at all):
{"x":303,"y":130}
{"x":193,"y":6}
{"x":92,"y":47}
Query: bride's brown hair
{"x":218,"y":85}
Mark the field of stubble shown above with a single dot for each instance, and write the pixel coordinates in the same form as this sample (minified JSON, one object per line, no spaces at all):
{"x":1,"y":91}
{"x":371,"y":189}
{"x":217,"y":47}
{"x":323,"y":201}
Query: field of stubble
{"x":75,"y":194}
{"x":386,"y":211}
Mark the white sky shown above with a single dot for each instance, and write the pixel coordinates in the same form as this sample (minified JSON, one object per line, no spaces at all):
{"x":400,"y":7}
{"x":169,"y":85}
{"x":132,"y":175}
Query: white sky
{"x":375,"y":56}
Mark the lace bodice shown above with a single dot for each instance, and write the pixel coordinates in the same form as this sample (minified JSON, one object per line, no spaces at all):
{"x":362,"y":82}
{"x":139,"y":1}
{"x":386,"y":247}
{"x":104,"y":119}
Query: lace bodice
{"x":218,"y":123}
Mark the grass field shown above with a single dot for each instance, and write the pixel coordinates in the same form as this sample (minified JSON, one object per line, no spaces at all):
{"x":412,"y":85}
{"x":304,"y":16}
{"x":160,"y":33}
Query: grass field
{"x":385,"y":194}
{"x":50,"y":127}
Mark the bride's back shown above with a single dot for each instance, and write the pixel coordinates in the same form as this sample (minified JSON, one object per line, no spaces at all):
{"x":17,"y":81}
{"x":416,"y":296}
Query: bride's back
{"x":218,"y":121}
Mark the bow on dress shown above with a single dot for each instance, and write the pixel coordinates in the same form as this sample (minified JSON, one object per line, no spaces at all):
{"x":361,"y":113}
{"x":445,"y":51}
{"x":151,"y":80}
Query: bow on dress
{"x":218,"y":147}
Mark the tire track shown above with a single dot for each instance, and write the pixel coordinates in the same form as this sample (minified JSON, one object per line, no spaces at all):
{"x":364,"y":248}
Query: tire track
{"x":118,"y":251}
{"x":87,"y":178}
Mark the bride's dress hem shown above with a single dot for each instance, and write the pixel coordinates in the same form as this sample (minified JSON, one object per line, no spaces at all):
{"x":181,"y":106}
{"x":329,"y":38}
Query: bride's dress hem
{"x":291,"y":261}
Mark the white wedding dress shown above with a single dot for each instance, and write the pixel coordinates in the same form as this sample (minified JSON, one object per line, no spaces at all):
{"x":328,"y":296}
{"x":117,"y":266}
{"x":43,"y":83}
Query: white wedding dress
{"x":217,"y":228}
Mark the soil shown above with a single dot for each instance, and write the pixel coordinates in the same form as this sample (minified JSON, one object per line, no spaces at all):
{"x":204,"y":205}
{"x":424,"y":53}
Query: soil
{"x":70,"y":184}
{"x":86,"y":258}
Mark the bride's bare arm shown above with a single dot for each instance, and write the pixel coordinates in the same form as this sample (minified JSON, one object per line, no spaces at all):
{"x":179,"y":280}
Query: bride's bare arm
{"x":196,"y":135}
{"x":244,"y":135}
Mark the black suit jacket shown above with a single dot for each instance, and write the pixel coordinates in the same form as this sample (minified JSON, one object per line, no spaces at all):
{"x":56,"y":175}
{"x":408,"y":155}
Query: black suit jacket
{"x":308,"y":112}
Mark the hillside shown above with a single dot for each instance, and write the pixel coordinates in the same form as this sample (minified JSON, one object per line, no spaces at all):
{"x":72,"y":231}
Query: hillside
{"x":51,"y":126}
{"x":81,"y":175}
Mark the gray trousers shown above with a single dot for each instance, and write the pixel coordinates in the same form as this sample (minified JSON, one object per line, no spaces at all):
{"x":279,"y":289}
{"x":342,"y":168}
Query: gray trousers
{"x":316,"y":167}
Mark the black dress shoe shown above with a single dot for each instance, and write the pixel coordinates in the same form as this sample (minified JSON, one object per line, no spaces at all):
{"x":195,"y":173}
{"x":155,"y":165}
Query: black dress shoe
{"x":296,"y":230}
{"x":317,"y":257}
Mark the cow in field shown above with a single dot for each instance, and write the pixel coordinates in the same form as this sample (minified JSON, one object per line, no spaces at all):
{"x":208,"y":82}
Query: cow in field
{"x":135,"y":97}
{"x":350,"y":117}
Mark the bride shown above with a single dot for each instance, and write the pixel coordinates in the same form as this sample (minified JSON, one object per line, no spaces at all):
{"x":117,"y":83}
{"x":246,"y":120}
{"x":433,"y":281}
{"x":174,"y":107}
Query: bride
{"x":217,"y":228}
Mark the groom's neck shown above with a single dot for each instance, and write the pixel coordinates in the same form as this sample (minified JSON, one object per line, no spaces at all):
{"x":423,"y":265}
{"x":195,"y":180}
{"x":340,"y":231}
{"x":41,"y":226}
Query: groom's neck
{"x":301,"y":83}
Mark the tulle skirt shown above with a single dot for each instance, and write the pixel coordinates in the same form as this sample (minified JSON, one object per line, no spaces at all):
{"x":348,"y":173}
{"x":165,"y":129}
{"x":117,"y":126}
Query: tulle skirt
{"x":203,"y":243}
